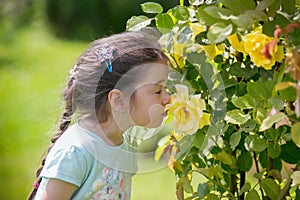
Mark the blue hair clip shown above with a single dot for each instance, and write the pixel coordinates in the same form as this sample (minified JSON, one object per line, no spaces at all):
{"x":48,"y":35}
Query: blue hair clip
{"x":105,"y":54}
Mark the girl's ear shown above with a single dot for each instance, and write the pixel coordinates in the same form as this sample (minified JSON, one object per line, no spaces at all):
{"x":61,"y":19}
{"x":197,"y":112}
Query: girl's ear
{"x":115,"y":99}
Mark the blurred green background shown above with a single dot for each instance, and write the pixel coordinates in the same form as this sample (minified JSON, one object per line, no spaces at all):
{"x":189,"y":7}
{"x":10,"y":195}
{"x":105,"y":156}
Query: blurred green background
{"x":39,"y":42}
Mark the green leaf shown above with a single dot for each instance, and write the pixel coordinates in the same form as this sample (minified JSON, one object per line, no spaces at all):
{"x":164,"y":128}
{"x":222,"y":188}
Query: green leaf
{"x":185,"y":145}
{"x":290,"y":152}
{"x":211,"y":197}
{"x":229,"y":169}
{"x":263,"y":159}
{"x":218,"y":12}
{"x":215,"y":150}
{"x":236,"y":69}
{"x":274,"y":149}
{"x":164,"y":22}
{"x":199,"y":139}
{"x":226,"y":158}
{"x":152,"y":7}
{"x":184,"y":35}
{"x":218,"y":32}
{"x":202,"y":16}
{"x":244,"y":161}
{"x":243,"y":21}
{"x":181,"y":13}
{"x":259,"y":114}
{"x":244,"y":102}
{"x":252,"y":195}
{"x":219,"y":59}
{"x":207,"y":172}
{"x":234,"y":140}
{"x":277,"y":164}
{"x":287,"y":137}
{"x":274,"y":8}
{"x":246,"y":187}
{"x":297,"y":193}
{"x":259,"y":175}
{"x":227,"y":80}
{"x":202,"y":189}
{"x":246,"y":71}
{"x":201,"y":38}
{"x":259,"y":90}
{"x":186,"y":184}
{"x":288,"y":94}
{"x":272,"y":134}
{"x":276,"y":102}
{"x":236,"y":117}
{"x":238,"y":6}
{"x":294,"y":37}
{"x":217,"y":129}
{"x":271,"y":120}
{"x":270,"y":187}
{"x":196,"y":58}
{"x":248,"y":126}
{"x":240,"y":89}
{"x":259,"y":144}
{"x":264,"y":4}
{"x":295,"y":132}
{"x":257,"y":15}
{"x":288,"y":6}
{"x":270,"y":26}
{"x":136,"y":23}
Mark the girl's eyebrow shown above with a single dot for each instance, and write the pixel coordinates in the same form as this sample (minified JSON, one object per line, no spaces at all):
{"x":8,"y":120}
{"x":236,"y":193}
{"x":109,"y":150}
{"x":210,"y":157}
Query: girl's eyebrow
{"x":159,"y":82}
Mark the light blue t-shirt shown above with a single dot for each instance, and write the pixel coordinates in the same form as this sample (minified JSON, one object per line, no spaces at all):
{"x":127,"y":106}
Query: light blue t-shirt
{"x":99,"y":170}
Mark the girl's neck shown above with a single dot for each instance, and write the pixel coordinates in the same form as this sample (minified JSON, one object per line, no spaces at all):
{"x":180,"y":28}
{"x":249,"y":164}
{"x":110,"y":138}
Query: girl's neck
{"x":108,"y":131}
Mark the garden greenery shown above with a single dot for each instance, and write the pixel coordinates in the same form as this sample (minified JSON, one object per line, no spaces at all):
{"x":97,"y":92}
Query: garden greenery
{"x":236,"y":103}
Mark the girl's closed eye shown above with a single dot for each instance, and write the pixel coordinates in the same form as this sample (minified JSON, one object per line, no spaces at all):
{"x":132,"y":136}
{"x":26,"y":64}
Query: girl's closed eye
{"x":158,"y":91}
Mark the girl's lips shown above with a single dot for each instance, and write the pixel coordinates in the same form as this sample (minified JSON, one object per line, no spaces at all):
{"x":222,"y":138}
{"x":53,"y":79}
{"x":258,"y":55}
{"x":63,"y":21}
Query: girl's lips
{"x":165,"y":113}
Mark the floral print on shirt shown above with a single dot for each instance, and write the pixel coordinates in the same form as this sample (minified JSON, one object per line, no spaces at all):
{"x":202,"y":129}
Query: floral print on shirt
{"x":111,"y":185}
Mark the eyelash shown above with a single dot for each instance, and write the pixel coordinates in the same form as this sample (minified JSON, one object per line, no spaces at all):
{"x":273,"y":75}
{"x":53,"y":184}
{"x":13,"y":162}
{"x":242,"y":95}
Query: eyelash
{"x":158,"y":92}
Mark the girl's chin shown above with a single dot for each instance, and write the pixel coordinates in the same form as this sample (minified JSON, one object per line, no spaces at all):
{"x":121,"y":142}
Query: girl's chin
{"x":155,"y":124}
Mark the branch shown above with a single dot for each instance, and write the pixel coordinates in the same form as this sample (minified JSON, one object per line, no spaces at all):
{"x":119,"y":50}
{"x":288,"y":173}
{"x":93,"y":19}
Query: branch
{"x":257,"y":171}
{"x":242,"y":183}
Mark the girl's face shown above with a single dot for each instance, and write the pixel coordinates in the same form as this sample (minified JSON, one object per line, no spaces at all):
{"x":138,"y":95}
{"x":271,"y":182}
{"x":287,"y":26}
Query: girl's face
{"x":150,"y":97}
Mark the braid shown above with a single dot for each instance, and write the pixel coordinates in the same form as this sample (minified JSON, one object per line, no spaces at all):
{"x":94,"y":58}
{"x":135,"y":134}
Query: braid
{"x":66,"y":117}
{"x":65,"y":121}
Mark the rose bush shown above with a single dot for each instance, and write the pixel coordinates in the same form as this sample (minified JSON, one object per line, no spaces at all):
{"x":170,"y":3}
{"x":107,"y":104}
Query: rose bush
{"x":243,"y":59}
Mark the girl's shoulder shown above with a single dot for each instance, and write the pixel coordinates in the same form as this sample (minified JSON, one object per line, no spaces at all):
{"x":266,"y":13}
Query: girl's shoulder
{"x":69,"y":138}
{"x":68,"y":145}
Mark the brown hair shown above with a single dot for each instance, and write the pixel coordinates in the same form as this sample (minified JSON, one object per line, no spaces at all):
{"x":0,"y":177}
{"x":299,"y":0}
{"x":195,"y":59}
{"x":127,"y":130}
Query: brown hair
{"x":90,"y":82}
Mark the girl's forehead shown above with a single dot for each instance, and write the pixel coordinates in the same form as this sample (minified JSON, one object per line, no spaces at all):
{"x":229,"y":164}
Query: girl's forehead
{"x":154,"y":73}
{"x":139,"y":76}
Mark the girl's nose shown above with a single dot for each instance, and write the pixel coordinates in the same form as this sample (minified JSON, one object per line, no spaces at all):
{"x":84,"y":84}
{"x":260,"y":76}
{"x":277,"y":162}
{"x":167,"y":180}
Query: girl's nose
{"x":166,"y":98}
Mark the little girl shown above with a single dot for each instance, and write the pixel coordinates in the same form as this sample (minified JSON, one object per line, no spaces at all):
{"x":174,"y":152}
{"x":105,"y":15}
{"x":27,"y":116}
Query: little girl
{"x":117,"y":83}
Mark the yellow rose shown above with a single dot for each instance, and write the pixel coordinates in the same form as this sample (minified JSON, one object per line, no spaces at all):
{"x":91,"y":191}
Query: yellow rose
{"x":296,"y":178}
{"x":254,"y":44}
{"x":205,"y":120}
{"x":187,"y":111}
{"x":212,"y":50}
{"x":176,"y":55}
{"x":196,"y":28}
{"x":235,"y":43}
